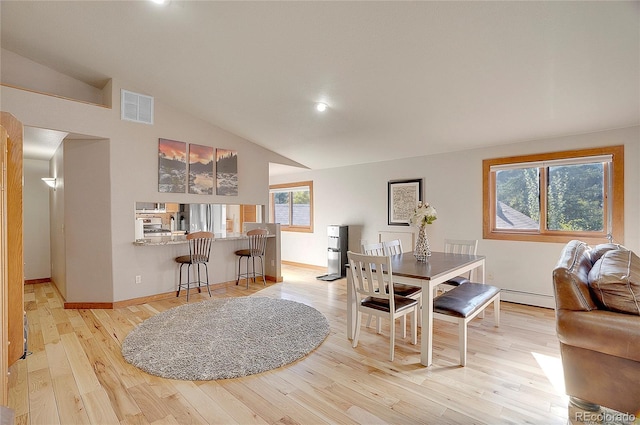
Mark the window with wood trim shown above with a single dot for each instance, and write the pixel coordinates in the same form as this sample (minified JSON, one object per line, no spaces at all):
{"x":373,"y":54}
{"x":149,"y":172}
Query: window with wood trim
{"x":555,"y":197}
{"x":291,"y":205}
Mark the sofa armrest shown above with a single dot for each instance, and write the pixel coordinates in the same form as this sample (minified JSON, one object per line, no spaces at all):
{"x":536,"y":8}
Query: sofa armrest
{"x":616,"y":334}
{"x":571,"y":292}
{"x":571,"y":278}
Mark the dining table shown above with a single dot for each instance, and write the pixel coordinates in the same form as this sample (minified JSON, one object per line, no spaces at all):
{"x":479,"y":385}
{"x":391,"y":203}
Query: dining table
{"x":406,"y":269}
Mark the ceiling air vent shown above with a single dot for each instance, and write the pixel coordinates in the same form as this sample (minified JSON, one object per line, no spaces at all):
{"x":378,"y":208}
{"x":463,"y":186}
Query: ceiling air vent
{"x":136,"y":107}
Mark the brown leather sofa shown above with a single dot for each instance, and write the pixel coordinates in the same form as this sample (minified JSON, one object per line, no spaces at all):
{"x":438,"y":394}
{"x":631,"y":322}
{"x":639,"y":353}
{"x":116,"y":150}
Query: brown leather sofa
{"x":600,"y":348}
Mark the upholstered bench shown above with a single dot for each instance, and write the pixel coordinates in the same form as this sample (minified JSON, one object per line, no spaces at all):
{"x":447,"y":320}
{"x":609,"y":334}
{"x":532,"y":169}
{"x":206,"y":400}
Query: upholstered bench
{"x":461,"y":304}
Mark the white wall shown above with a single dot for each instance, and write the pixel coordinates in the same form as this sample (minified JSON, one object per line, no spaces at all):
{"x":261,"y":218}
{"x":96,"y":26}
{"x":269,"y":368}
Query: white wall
{"x":131,"y":161}
{"x":37,"y":260}
{"x":357,"y":196}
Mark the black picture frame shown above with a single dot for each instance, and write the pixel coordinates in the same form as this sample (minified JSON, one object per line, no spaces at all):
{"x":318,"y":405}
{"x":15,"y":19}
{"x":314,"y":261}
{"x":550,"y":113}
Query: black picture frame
{"x":403,"y":196}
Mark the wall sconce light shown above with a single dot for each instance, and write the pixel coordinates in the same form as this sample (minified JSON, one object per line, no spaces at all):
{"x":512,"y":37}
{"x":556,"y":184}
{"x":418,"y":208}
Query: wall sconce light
{"x":50,"y":181}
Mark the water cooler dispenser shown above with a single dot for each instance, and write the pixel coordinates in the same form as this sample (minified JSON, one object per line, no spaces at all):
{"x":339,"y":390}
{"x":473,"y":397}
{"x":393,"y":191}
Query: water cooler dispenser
{"x":338,"y":245}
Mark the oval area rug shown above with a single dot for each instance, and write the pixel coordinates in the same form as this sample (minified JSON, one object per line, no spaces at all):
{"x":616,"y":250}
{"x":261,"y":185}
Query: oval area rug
{"x":225,"y":338}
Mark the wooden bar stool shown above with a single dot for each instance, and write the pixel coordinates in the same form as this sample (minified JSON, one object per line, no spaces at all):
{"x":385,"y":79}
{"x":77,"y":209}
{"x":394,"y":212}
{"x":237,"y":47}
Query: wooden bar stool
{"x":199,"y":250}
{"x":257,"y":247}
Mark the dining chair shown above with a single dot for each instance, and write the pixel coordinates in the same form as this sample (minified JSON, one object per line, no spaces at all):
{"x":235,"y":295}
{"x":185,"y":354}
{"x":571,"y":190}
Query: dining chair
{"x":257,"y":246}
{"x":460,"y":246}
{"x":199,"y":251}
{"x":374,"y":248}
{"x":392,"y":247}
{"x":372,"y":284}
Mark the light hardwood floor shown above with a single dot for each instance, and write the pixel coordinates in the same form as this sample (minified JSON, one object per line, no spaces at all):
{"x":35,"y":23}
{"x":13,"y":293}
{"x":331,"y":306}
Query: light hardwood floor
{"x":76,"y":373}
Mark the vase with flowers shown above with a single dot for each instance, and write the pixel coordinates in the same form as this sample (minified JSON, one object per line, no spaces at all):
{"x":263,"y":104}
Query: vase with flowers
{"x":422,"y":215}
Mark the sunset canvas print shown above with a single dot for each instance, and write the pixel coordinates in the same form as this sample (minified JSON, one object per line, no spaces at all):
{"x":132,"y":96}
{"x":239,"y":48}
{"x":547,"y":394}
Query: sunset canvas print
{"x":200,"y":169}
{"x":226,"y":172}
{"x":172,"y":166}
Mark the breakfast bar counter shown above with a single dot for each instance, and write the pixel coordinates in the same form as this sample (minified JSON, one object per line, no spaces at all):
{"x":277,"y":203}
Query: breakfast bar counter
{"x":182,"y":239}
{"x":158,"y":272}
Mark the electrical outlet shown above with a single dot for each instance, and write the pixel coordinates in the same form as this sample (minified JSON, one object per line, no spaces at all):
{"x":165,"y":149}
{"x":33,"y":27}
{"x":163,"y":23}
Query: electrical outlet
{"x":138,"y":279}
{"x":489,"y":277}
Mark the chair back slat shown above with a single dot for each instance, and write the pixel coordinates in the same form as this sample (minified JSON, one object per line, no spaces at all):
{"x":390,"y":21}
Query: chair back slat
{"x":200,"y":246}
{"x":461,"y":246}
{"x":376,"y":248}
{"x":257,"y":241}
{"x":372,"y":276}
{"x":393,"y":247}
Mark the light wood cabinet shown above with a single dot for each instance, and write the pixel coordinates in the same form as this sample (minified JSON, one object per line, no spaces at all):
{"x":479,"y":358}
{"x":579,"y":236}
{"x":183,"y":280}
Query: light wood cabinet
{"x":13,"y":273}
{"x":4,"y":329}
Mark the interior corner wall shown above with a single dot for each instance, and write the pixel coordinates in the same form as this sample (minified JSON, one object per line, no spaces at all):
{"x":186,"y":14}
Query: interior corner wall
{"x":87,"y":229}
{"x":56,"y":223}
{"x":357,"y":196}
{"x":22,"y":72}
{"x":37,"y":259}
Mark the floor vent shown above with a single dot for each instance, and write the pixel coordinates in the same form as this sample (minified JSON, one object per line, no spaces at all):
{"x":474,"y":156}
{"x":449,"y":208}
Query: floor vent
{"x":136,"y":107}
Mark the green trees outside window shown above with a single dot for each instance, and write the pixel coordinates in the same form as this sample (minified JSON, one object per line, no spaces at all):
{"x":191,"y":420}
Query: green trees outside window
{"x":555,"y":197}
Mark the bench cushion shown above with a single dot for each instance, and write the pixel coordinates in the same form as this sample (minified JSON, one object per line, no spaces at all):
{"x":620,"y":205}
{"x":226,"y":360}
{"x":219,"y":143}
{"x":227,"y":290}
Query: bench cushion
{"x":465,"y":299}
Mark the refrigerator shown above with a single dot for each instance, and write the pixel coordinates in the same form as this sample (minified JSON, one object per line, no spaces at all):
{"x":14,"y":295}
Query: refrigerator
{"x":204,"y":218}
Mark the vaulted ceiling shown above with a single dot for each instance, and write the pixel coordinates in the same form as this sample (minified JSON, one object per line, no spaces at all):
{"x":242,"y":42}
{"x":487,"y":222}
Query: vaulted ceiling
{"x":400,"y":79}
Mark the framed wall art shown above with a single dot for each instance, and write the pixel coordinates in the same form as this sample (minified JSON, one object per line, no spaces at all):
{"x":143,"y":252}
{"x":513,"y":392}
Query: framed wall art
{"x":172,"y":166}
{"x":200,"y":169}
{"x":226,"y":172}
{"x":403,"y":197}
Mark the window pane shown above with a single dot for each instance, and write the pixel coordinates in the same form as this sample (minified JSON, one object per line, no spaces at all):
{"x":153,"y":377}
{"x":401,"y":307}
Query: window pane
{"x":281,"y":207}
{"x":518,"y":200}
{"x":301,"y":213}
{"x":575,"y":199}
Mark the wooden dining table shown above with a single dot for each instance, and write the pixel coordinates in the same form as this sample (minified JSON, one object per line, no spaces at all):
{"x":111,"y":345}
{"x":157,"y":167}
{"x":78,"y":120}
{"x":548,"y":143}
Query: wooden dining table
{"x":405,"y":269}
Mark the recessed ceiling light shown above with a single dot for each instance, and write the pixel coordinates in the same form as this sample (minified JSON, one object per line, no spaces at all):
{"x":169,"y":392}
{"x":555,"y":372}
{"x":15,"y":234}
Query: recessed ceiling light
{"x":160,"y":2}
{"x":321,"y":107}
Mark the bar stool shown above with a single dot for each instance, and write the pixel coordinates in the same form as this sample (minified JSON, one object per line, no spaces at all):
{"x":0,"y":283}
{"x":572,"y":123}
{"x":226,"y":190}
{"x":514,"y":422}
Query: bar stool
{"x":257,"y":246}
{"x":199,"y":250}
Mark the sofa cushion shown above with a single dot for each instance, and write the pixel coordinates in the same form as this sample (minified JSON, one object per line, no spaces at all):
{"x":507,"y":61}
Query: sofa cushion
{"x":615,"y":281}
{"x":599,"y":250}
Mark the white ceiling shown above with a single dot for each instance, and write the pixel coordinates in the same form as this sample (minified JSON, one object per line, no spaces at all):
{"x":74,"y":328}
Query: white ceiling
{"x":401,"y":79}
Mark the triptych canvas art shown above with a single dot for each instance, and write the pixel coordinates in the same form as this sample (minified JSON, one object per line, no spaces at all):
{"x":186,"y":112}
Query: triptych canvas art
{"x":173,"y":177}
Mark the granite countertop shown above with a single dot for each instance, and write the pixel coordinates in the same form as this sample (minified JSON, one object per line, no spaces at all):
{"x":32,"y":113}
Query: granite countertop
{"x":182,"y":239}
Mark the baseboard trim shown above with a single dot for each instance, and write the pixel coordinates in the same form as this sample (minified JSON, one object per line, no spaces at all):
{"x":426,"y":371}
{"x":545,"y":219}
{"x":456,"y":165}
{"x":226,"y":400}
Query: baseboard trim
{"x":308,"y":266}
{"x":143,"y":300}
{"x":519,"y":297}
{"x":34,"y":281}
{"x":87,"y":305}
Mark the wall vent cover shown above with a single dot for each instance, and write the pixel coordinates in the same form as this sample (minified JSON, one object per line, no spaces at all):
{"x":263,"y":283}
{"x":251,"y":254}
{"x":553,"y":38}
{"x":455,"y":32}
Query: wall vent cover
{"x":136,"y":107}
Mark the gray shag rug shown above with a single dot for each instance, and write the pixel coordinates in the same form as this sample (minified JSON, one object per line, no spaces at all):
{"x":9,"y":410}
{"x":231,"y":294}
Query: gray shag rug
{"x":225,"y":338}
